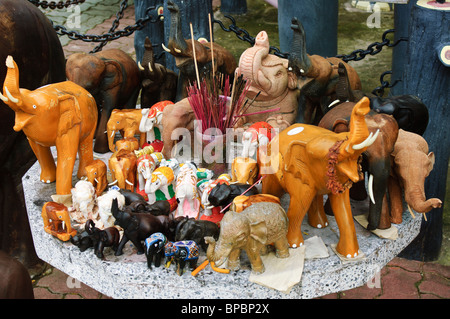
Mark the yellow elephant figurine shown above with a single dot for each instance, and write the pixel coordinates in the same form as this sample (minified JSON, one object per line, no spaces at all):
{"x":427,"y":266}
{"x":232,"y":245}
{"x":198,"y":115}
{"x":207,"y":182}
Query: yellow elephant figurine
{"x":126,"y":121}
{"x":244,"y":170}
{"x":57,"y":221}
{"x":96,"y":174}
{"x":123,"y":167}
{"x":61,"y":114}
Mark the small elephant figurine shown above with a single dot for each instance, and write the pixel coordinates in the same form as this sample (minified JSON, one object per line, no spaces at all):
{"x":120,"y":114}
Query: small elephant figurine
{"x":112,"y":77}
{"x":251,"y":230}
{"x":244,"y":170}
{"x":122,"y":165}
{"x":127,"y":122}
{"x":223,"y":194}
{"x":108,"y":237}
{"x":82,"y":240}
{"x":182,"y":252}
{"x":57,"y":221}
{"x":196,"y":230}
{"x":151,"y":121}
{"x":160,"y":207}
{"x":96,"y":174}
{"x":242,"y":202}
{"x":139,"y":226}
{"x":154,"y":248}
{"x":258,"y":134}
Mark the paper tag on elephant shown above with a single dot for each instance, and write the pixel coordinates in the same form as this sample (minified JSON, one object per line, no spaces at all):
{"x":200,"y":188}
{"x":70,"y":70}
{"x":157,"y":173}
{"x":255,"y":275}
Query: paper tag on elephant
{"x":281,"y":273}
{"x":389,"y":233}
{"x":346,"y":260}
{"x":315,"y":248}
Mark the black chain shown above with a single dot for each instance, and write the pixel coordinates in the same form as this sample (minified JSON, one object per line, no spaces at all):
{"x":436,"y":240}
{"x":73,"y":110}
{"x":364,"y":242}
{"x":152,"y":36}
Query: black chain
{"x":379,"y":90}
{"x":55,"y":5}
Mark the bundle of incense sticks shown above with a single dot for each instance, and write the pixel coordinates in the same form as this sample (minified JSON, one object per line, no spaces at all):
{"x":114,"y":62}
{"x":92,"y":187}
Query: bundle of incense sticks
{"x":218,"y":103}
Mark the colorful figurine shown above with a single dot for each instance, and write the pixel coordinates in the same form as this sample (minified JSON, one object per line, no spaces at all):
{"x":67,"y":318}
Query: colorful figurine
{"x":57,"y":221}
{"x":244,"y":170}
{"x":182,"y":252}
{"x":146,"y":164}
{"x":154,"y":249}
{"x":162,"y":187}
{"x":61,"y":114}
{"x":252,"y":229}
{"x":186,"y":192}
{"x":108,"y":237}
{"x":311,"y":161}
{"x":124,"y":121}
{"x":151,"y":121}
{"x":258,"y":134}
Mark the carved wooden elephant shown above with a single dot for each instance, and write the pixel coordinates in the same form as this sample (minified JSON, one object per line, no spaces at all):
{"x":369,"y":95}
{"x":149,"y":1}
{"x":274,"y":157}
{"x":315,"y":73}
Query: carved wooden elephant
{"x":307,"y":161}
{"x":122,"y":165}
{"x":127,"y":122}
{"x":57,"y":221}
{"x":96,"y":174}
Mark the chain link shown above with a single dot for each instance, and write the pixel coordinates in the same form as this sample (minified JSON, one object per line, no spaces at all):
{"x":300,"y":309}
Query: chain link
{"x":55,"y":5}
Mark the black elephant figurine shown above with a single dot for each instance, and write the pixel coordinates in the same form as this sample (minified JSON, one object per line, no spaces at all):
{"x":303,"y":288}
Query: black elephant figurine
{"x":139,"y":226}
{"x":160,"y":207}
{"x":154,"y":248}
{"x":82,"y":240}
{"x":181,"y":252}
{"x":101,"y":238}
{"x":223,"y":194}
{"x":113,"y":78}
{"x":196,"y":230}
{"x":131,"y":196}
{"x":158,"y":82}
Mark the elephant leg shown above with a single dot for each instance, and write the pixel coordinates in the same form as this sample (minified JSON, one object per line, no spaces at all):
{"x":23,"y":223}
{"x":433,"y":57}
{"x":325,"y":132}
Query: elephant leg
{"x":136,"y":242}
{"x":101,"y":138}
{"x":149,"y":260}
{"x":234,"y":259}
{"x":254,"y":257}
{"x":180,"y":267}
{"x":348,"y":243}
{"x":122,"y":243}
{"x":193,"y":264}
{"x":99,"y":252}
{"x":158,"y":260}
{"x":282,"y":247}
{"x":316,"y":213}
{"x":395,"y":197}
{"x":270,"y":185}
{"x":85,"y":155}
{"x":67,"y":147}
{"x":46,"y":161}
{"x":131,"y":103}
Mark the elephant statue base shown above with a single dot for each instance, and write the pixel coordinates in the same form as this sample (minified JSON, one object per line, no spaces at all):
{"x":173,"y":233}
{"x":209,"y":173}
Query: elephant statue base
{"x":57,"y":221}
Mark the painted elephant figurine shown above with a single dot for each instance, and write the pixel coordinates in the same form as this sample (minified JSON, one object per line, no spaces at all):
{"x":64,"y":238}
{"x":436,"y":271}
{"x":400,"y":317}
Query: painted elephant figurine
{"x":126,"y":121}
{"x":96,"y":174}
{"x":57,"y":221}
{"x":186,"y":192}
{"x":139,"y":226}
{"x":162,"y":187}
{"x":122,"y":165}
{"x":154,"y":249}
{"x":191,"y":229}
{"x":252,"y":229}
{"x":244,"y":170}
{"x":411,"y":164}
{"x":182,"y":252}
{"x":258,"y":134}
{"x":376,"y":159}
{"x":158,"y":82}
{"x":151,"y":121}
{"x":308,"y":161}
{"x":183,"y":52}
{"x":241,"y":202}
{"x":61,"y":114}
{"x":101,"y":238}
{"x":112,"y":77}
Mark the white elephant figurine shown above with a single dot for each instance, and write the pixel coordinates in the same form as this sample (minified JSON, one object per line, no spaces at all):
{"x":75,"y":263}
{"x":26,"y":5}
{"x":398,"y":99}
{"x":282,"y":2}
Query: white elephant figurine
{"x":151,"y":121}
{"x":186,"y":192}
{"x":104,"y":207}
{"x":83,"y":201}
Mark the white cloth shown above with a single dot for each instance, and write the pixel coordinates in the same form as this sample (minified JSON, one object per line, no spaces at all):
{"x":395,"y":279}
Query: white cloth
{"x":389,"y":233}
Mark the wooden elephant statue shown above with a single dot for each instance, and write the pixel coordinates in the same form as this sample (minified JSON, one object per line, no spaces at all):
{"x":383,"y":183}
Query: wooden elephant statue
{"x":307,"y":162}
{"x":252,"y":229}
{"x":61,"y":114}
{"x":57,"y":221}
{"x":96,"y":174}
{"x":244,"y":170}
{"x":127,"y":122}
{"x":130,"y":144}
{"x":123,"y":166}
{"x":112,"y":77}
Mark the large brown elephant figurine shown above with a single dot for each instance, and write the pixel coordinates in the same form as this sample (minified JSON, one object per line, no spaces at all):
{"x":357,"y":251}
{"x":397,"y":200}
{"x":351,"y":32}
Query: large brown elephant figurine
{"x":412,"y":163}
{"x":61,"y":114}
{"x":307,"y":162}
{"x":57,"y":221}
{"x":112,"y":77}
{"x":127,"y":122}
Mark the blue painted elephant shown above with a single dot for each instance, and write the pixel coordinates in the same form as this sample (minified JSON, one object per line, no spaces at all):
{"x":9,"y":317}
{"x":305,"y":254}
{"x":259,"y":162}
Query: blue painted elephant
{"x":154,"y":248}
{"x":181,"y":252}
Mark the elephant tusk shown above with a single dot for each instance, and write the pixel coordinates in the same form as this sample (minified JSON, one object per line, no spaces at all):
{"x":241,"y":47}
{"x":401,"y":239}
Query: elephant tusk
{"x":63,"y":225}
{"x":113,"y":183}
{"x":150,"y":67}
{"x":374,"y":137}
{"x":140,"y":66}
{"x":371,"y":189}
{"x":112,"y":134}
{"x":165,"y":48}
{"x":96,"y":180}
{"x":3,"y":98}
{"x":128,"y":182}
{"x":333,"y":103}
{"x":12,"y":98}
{"x":363,"y":143}
{"x":177,"y":50}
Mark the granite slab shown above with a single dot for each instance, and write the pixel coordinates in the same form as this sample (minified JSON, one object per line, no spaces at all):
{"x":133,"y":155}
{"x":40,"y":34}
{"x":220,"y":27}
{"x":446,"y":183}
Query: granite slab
{"x":127,"y":276}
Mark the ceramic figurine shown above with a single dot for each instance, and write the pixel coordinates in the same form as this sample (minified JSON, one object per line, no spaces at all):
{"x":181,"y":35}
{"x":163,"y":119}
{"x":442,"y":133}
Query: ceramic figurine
{"x":183,"y":52}
{"x":182,"y":252}
{"x":241,"y":202}
{"x":172,"y":163}
{"x":104,"y":202}
{"x":108,"y":237}
{"x":311,"y":161}
{"x":122,"y":165}
{"x":317,"y":77}
{"x":412,"y":163}
{"x":154,"y":249}
{"x":258,"y":134}
{"x":151,"y":121}
{"x":112,"y":77}
{"x":158,"y":82}
{"x":57,"y":221}
{"x":252,"y":229}
{"x":162,"y":187}
{"x":139,"y":226}
{"x":186,"y":192}
{"x":146,"y":164}
{"x":204,"y":173}
{"x":244,"y":170}
{"x":127,"y":123}
{"x":191,"y":229}
{"x":82,"y":240}
{"x":61,"y":114}
{"x":83,"y":201}
{"x":96,"y":174}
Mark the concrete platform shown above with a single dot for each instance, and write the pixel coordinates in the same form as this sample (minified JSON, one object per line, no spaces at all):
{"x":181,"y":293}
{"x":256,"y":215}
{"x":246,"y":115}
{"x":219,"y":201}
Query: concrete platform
{"x":127,"y":276}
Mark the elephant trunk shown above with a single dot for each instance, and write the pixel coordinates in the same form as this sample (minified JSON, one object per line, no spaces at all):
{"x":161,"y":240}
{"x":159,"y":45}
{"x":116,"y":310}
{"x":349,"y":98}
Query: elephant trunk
{"x":216,"y":252}
{"x":177,"y":42}
{"x":111,"y":134}
{"x":299,"y":60}
{"x":415,"y":197}
{"x":11,"y":85}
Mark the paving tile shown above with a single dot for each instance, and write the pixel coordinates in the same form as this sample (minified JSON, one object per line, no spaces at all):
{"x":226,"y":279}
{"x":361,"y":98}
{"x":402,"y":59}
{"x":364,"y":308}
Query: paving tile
{"x":435,"y":284}
{"x":437,"y":268}
{"x":400,"y":284}
{"x":410,"y":265}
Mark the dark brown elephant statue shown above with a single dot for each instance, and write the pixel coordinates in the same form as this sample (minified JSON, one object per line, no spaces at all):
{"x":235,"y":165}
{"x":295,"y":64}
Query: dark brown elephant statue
{"x":112,"y":77}
{"x":158,"y":82}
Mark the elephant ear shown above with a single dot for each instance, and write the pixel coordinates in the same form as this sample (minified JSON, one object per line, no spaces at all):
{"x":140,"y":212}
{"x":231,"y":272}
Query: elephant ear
{"x":113,"y":75}
{"x":258,"y":231}
{"x":70,"y":115}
